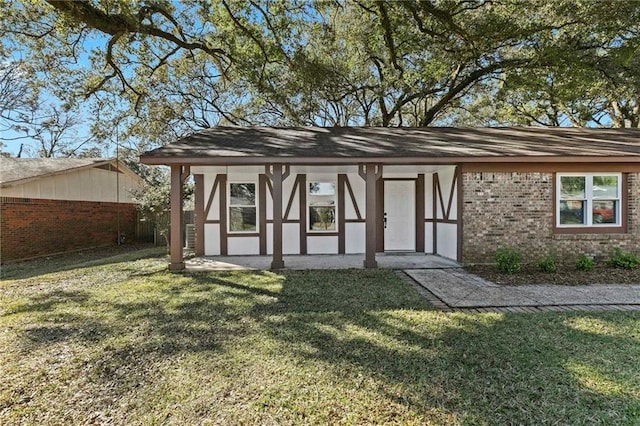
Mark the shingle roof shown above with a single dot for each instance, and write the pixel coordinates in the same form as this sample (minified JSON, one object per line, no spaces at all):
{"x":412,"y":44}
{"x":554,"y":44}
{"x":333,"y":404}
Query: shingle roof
{"x":252,"y":144}
{"x":18,"y":169}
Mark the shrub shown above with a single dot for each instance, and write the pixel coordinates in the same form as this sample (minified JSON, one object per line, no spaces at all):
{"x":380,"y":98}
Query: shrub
{"x":584,"y":263}
{"x":622,"y":259}
{"x":508,"y":260}
{"x":547,"y":264}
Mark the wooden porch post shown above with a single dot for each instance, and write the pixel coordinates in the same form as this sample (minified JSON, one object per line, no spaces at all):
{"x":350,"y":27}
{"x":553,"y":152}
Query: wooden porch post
{"x":199,"y":213}
{"x":176,"y":256}
{"x":371,"y":217}
{"x":277,"y":262}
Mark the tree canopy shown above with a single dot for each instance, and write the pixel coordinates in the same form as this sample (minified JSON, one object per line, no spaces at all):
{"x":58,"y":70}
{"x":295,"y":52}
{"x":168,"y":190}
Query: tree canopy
{"x":160,"y":69}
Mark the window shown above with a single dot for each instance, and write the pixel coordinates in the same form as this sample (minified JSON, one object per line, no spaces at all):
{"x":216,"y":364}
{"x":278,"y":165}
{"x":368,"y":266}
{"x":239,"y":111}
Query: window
{"x":322,"y":206}
{"x":242,"y":207}
{"x":591,"y":200}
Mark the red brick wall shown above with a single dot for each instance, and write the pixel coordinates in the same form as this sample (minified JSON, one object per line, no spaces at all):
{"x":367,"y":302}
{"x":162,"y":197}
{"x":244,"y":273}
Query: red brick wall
{"x":504,"y":209}
{"x":34,"y":227}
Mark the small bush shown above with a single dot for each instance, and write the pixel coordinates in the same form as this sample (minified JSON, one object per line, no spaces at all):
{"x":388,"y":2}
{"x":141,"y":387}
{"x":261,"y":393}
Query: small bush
{"x":584,"y":263}
{"x":508,"y":260}
{"x":622,"y":259}
{"x":547,"y":264}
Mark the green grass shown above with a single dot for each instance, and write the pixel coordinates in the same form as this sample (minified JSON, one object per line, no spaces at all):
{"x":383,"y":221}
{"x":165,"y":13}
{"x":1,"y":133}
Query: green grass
{"x":124,"y":341}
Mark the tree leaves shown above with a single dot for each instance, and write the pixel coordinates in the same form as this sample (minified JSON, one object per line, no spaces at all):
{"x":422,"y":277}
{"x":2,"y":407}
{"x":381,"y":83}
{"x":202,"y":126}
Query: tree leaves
{"x":176,"y":67}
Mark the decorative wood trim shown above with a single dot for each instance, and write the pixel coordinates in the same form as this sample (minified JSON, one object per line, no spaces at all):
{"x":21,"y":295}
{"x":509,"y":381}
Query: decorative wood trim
{"x":548,"y":167}
{"x":244,"y":234}
{"x":436,"y":179}
{"x":277,"y":261}
{"x":296,"y":183}
{"x":303,"y":212}
{"x":355,"y":220}
{"x":399,"y":179}
{"x":434,"y":188}
{"x":223,"y":214}
{"x":624,"y":202}
{"x":341,"y":214}
{"x":323,"y":234}
{"x":212,"y":222}
{"x":212,"y":194}
{"x":420,"y":206}
{"x":269,"y":186}
{"x":286,"y":172}
{"x":352,"y":196}
{"x":200,"y":218}
{"x":451,"y":192}
{"x":262,"y":212}
{"x":185,"y":172}
{"x":452,"y":221}
{"x":459,"y":215}
{"x":380,"y":212}
{"x":413,"y":161}
{"x":362,"y":171}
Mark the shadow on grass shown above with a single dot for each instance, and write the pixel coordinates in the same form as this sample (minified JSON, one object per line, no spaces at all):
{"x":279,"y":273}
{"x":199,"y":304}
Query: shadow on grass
{"x":491,"y":369}
{"x":48,"y":301}
{"x":478,"y":369}
{"x":79,"y":259}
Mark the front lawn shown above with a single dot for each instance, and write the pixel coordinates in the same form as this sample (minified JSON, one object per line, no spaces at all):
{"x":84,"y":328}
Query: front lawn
{"x":123,"y":341}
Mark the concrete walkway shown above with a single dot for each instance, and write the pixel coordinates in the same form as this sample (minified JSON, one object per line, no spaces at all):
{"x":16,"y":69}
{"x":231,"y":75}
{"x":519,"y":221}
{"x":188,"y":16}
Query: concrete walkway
{"x":455,"y":288}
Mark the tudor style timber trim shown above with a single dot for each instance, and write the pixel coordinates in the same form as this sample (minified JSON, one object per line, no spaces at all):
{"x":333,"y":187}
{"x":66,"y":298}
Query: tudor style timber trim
{"x":277,"y":173}
{"x":459,"y":212}
{"x":344,"y":187}
{"x":420,"y":213}
{"x":438,"y":201}
{"x":262,"y":213}
{"x":199,"y":213}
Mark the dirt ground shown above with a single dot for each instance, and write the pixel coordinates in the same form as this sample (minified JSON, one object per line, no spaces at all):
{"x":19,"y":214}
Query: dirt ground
{"x":565,"y":275}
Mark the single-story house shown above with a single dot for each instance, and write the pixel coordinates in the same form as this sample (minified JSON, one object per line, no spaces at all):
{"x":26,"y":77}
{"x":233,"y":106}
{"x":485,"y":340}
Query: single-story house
{"x":55,"y":205}
{"x":457,"y":192}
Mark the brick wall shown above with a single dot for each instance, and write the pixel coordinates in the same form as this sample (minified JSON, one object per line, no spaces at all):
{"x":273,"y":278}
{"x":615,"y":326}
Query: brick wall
{"x":515,"y":209}
{"x":35,"y":227}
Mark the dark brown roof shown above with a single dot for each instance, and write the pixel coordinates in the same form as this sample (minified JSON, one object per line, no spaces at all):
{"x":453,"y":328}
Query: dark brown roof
{"x":237,"y":145}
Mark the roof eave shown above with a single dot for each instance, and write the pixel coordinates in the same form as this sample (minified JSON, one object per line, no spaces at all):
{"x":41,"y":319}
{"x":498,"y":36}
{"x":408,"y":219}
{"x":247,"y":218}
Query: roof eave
{"x":246,"y":160}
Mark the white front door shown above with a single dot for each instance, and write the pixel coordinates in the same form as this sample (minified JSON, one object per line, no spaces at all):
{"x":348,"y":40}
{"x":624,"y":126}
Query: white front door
{"x":400,"y":214}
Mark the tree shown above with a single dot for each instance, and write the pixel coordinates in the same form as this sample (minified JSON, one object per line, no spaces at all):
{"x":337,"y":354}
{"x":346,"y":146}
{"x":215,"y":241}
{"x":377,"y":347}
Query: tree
{"x":177,"y":68}
{"x":590,"y":77}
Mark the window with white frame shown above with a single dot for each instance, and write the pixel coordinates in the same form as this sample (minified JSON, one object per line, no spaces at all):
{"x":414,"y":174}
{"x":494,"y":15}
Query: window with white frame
{"x":242,"y":207}
{"x":321,"y":201}
{"x":588,"y":199}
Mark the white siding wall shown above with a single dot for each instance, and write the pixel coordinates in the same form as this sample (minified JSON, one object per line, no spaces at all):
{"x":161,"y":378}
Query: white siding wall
{"x":83,"y":185}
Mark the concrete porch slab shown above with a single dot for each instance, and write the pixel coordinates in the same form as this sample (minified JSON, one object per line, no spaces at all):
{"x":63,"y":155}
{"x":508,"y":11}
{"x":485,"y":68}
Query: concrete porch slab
{"x":319,"y":261}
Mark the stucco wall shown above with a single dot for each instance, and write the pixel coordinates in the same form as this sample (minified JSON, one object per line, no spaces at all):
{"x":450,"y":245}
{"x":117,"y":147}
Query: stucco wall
{"x":515,"y":209}
{"x":35,"y":227}
{"x":351,"y":211}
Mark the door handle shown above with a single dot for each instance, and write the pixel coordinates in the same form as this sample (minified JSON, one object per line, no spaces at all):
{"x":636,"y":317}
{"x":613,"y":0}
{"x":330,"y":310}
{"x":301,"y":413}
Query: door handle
{"x":384,"y":220}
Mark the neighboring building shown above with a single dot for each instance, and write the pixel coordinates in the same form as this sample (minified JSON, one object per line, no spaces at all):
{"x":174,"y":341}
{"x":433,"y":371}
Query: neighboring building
{"x":54,"y":205}
{"x":459,"y":193}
